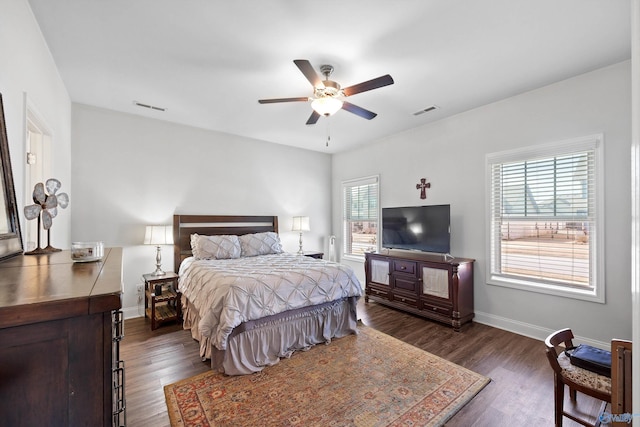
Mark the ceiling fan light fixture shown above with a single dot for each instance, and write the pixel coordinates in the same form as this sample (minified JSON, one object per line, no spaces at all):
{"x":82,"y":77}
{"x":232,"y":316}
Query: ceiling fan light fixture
{"x":327,"y":94}
{"x":326,"y":106}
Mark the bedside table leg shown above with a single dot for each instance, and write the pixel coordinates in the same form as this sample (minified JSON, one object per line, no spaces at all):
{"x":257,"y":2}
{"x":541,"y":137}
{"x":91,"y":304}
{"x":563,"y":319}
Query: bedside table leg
{"x":153,"y":312}
{"x":179,"y":306}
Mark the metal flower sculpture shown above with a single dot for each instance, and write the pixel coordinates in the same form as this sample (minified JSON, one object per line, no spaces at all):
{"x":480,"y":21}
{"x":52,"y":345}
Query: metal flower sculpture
{"x":45,"y":209}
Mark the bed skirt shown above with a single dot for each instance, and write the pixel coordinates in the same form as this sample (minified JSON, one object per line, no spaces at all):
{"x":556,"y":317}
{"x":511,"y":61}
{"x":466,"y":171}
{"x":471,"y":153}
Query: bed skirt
{"x":259,"y":343}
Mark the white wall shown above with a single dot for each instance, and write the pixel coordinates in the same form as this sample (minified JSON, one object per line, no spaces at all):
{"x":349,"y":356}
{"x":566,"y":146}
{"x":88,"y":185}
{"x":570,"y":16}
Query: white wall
{"x":129,"y":171}
{"x":26,"y":67}
{"x":451,"y":154}
{"x":635,"y":194}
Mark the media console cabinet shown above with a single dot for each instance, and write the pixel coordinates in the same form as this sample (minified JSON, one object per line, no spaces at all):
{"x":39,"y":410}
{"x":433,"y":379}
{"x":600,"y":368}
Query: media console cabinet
{"x":60,"y":328}
{"x":428,"y":285}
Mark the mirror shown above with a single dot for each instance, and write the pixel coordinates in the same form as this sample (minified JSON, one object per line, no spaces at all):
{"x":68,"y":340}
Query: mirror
{"x":10,"y":238}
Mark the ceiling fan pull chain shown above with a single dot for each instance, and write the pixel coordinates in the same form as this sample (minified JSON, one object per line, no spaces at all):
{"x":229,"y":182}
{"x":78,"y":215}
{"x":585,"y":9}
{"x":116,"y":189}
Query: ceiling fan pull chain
{"x":328,"y":133}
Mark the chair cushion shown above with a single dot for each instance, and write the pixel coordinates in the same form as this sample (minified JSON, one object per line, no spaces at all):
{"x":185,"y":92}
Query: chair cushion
{"x":582,"y":376}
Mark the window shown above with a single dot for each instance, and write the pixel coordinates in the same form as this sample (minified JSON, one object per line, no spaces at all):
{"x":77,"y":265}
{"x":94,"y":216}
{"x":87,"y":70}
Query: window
{"x":545,"y":220}
{"x":360,"y":217}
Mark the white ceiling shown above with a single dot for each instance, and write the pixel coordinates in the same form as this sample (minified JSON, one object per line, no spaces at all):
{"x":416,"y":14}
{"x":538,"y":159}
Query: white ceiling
{"x":209,"y":61}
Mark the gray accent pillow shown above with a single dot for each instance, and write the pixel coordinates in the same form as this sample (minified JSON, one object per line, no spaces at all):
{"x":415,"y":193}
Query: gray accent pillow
{"x":215,"y":247}
{"x":260,"y":244}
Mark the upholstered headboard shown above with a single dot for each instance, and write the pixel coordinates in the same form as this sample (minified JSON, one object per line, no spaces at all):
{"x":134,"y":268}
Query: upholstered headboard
{"x":209,"y":225}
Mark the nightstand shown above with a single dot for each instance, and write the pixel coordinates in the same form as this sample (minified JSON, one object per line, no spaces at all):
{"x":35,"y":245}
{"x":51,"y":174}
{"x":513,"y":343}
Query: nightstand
{"x":164,"y":306}
{"x":313,"y":254}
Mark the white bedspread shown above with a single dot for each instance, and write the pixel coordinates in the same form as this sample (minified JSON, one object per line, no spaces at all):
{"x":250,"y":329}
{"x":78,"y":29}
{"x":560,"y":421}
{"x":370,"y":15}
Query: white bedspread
{"x":231,"y":291}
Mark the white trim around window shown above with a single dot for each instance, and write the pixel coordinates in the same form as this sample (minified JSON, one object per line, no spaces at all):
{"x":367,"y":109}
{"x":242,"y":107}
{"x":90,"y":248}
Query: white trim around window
{"x":360,"y":217}
{"x":545,"y":218}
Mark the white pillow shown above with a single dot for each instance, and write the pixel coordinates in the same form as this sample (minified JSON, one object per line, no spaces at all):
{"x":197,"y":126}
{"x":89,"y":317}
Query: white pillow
{"x":260,"y":244}
{"x":215,"y":247}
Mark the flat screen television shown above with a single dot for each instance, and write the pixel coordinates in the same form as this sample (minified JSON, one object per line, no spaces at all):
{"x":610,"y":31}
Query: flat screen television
{"x":421,"y":228}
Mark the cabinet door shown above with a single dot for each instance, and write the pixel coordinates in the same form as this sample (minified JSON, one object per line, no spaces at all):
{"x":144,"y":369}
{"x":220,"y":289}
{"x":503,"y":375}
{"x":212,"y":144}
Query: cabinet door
{"x":58,"y":366}
{"x":404,"y":277}
{"x":405,"y":283}
{"x":435,"y":282}
{"x":380,"y":271}
{"x":34,"y":374}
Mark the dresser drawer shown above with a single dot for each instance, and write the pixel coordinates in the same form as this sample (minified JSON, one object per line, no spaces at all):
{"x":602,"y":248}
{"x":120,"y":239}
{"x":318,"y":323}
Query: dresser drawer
{"x":412,"y":301}
{"x":445,"y":311}
{"x":383,"y":293}
{"x":407,"y":267}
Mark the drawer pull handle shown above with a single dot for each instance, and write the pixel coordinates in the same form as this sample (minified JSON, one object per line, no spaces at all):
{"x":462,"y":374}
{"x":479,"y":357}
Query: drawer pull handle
{"x":403,"y":268}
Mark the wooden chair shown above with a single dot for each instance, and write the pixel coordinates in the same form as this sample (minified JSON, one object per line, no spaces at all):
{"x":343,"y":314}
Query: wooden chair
{"x":577,"y":379}
{"x":620,"y":379}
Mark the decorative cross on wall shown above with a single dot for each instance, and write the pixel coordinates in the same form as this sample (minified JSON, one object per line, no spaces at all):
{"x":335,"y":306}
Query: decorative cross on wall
{"x":423,"y":187}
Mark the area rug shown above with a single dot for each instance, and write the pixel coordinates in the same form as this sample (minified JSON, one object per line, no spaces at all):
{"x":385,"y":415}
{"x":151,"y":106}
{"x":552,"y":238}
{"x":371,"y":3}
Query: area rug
{"x":365,"y":380}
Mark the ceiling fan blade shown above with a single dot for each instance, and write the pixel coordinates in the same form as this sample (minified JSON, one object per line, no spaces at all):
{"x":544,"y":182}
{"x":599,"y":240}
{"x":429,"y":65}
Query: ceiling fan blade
{"x":358,"y":111}
{"x":274,"y":100}
{"x":313,"y":118}
{"x":308,"y":71}
{"x":381,"y":81}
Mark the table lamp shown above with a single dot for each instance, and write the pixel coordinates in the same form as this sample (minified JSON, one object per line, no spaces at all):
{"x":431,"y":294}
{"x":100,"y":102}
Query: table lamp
{"x":158,"y":235}
{"x":300,"y":223}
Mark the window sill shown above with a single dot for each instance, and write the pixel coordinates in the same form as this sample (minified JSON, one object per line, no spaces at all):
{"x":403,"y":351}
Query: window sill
{"x":352,"y":258}
{"x":592,"y":295}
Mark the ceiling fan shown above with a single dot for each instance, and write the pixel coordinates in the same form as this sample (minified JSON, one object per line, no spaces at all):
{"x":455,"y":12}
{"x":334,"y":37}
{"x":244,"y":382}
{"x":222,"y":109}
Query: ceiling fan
{"x":327,"y":94}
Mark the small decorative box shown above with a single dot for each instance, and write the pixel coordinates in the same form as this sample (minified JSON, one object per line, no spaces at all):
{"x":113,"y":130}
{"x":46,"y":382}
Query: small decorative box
{"x":87,"y":251}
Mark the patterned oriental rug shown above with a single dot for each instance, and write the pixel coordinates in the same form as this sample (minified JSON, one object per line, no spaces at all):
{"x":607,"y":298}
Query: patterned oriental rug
{"x":365,"y":380}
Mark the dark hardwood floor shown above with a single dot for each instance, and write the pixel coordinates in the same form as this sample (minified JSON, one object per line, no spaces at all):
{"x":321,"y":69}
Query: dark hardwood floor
{"x":520,"y":393}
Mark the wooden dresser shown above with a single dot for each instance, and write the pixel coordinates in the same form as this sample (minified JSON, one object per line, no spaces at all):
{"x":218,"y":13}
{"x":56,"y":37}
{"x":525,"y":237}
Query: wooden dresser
{"x":421,"y":283}
{"x":60,"y":327}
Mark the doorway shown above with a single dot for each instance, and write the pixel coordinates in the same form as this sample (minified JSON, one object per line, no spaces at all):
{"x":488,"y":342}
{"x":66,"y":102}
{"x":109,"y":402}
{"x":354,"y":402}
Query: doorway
{"x":38,"y":141}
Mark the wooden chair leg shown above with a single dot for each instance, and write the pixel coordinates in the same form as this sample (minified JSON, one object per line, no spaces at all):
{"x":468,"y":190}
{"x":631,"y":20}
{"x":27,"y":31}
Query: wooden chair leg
{"x":572,"y":394}
{"x":558,"y":392}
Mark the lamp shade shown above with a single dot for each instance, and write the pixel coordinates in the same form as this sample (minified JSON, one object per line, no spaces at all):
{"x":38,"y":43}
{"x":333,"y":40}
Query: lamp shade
{"x":326,"y":106}
{"x":300,"y":223}
{"x":158,"y":235}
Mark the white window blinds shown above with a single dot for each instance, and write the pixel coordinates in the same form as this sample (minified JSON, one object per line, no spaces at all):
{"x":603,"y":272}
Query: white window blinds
{"x":361,"y":202}
{"x":360,"y":216}
{"x":544,"y":217}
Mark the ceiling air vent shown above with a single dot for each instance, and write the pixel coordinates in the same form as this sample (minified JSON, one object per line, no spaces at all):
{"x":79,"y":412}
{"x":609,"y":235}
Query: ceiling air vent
{"x":426,"y":110}
{"x":151,"y":107}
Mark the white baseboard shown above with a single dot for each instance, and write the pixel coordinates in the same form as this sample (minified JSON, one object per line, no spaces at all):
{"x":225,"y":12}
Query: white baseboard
{"x":529,"y":330}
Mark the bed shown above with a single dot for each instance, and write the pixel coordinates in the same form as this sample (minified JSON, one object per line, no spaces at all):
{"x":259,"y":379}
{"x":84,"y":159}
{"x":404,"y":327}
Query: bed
{"x":247,"y":302}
